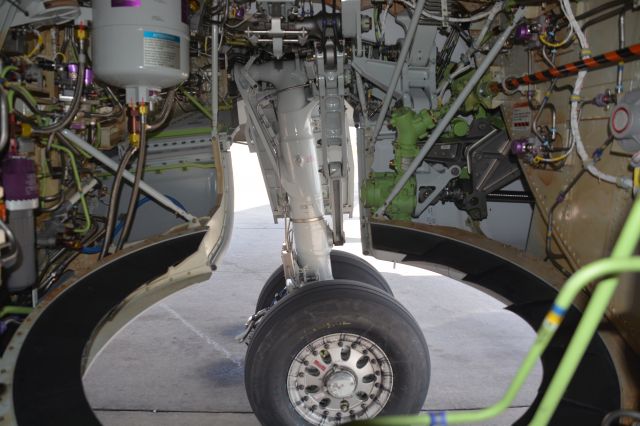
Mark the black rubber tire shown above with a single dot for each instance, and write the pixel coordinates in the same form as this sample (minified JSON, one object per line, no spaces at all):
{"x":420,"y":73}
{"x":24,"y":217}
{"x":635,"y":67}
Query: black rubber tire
{"x":313,"y":312}
{"x":344,"y":265}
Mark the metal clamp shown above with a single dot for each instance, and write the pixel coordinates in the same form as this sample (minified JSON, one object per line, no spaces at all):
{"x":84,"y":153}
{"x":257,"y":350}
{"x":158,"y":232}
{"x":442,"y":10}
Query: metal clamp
{"x":436,"y":177}
{"x":250,"y":326}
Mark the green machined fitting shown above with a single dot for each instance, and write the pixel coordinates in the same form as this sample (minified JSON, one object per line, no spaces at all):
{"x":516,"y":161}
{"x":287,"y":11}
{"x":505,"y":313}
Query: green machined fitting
{"x":377,"y":188}
{"x":410,"y":127}
{"x":459,"y":127}
{"x":481,"y":96}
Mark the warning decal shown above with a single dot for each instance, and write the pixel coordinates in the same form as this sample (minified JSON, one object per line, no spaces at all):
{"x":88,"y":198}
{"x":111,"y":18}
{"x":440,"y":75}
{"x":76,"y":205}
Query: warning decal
{"x":161,"y":50}
{"x":521,"y":118}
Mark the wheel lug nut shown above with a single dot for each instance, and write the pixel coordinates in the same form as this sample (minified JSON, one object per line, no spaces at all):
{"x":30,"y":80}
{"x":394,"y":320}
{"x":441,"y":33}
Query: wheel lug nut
{"x":344,"y":405}
{"x":301,"y":374}
{"x":300,"y":387}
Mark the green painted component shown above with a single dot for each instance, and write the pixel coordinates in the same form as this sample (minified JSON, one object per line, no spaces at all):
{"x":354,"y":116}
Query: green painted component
{"x":410,"y":127}
{"x":459,"y":127}
{"x":379,"y":185}
{"x":481,"y":96}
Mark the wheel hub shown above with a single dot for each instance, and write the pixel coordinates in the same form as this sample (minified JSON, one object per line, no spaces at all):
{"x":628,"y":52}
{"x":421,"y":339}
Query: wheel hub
{"x":341,"y":384}
{"x":339,"y":378}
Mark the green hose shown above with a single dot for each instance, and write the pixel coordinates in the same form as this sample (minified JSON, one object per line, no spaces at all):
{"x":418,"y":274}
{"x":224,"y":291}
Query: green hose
{"x":553,"y":319}
{"x":15,"y":310}
{"x":6,"y":70}
{"x":83,"y":202}
{"x":197,"y":104}
{"x":624,"y":247}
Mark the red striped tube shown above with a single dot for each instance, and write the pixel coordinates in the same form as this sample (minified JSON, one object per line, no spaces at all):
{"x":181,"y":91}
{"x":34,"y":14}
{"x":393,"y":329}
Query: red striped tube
{"x":604,"y":60}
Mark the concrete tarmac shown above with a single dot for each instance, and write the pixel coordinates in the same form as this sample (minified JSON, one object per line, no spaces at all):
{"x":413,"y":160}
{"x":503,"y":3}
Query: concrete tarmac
{"x":178,"y":362}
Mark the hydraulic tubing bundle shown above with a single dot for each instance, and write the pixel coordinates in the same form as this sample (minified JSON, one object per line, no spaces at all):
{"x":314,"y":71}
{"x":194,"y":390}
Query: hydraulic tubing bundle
{"x":606,"y":59}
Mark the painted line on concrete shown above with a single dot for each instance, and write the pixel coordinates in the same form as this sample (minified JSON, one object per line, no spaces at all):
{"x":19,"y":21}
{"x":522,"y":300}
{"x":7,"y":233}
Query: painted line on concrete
{"x":220,"y":348}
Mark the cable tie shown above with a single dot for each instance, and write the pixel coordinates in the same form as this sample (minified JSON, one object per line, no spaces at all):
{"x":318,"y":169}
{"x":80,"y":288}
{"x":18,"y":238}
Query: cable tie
{"x":559,"y":310}
{"x":597,"y":154}
{"x":438,"y":418}
{"x":575,"y":98}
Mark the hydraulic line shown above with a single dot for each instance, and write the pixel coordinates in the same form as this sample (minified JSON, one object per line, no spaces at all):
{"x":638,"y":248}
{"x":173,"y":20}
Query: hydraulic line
{"x":606,"y":59}
{"x":4,"y":120}
{"x":164,"y":114}
{"x":453,"y":110}
{"x":113,"y":166}
{"x":135,"y":187}
{"x":113,"y":200}
{"x":598,"y":9}
{"x":621,"y":42}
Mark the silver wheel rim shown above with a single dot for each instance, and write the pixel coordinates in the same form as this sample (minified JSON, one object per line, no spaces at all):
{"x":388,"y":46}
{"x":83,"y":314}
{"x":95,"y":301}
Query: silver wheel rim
{"x":339,"y":378}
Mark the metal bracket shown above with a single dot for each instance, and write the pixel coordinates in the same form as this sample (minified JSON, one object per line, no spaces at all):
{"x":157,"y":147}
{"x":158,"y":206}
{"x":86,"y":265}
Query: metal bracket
{"x":250,"y":326}
{"x":436,"y":177}
{"x":444,"y":7}
{"x":331,"y":97}
{"x":277,"y":36}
